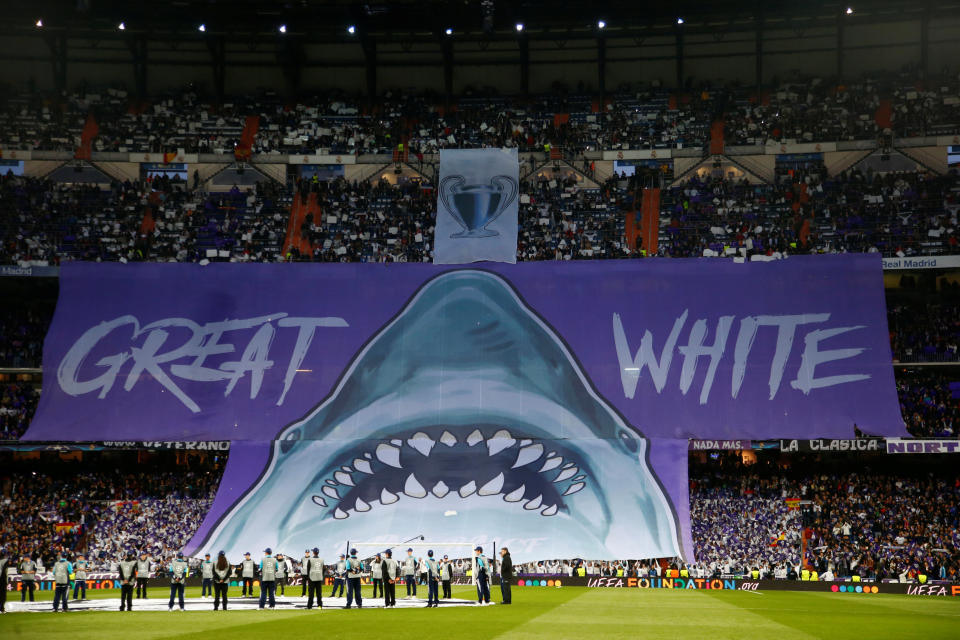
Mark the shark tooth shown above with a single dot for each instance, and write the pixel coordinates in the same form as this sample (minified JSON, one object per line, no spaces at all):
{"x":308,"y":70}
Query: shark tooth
{"x":576,"y":486}
{"x":344,"y":478}
{"x":474,"y":437}
{"x":448,"y":439}
{"x":319,"y":501}
{"x":332,"y":483}
{"x":331,"y":493}
{"x":421,"y":442}
{"x":398,"y":443}
{"x":566,"y":473}
{"x":413,"y":488}
{"x":528,"y":454}
{"x":533,"y":504}
{"x":467,"y":489}
{"x":516,"y":495}
{"x":568,"y":465}
{"x":363,"y":466}
{"x":549,"y":511}
{"x":493,"y":487}
{"x":440,"y":489}
{"x":579,"y":477}
{"x":347,"y":469}
{"x":551,"y":463}
{"x":389,"y":455}
{"x":361,"y":506}
{"x":340,"y":515}
{"x":501,"y":440}
{"x":368,"y":456}
{"x":387,"y":498}
{"x":525,"y":442}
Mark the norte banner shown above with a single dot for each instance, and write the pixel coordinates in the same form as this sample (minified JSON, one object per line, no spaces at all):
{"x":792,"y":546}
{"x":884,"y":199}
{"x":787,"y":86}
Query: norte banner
{"x":477,"y":206}
{"x":896,"y":445}
{"x":545,"y":406}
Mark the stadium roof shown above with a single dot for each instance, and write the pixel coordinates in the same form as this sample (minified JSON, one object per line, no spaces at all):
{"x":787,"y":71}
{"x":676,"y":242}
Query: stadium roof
{"x":319,"y":20}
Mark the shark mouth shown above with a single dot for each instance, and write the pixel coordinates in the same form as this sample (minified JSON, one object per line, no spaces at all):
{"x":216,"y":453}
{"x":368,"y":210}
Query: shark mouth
{"x":430,"y":463}
{"x":465,"y":402}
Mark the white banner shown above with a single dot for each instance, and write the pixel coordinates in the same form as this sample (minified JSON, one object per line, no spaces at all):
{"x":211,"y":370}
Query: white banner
{"x":801,"y":147}
{"x":638,"y":154}
{"x":323,"y":159}
{"x":922,"y":262}
{"x":165,"y":158}
{"x":477,"y":206}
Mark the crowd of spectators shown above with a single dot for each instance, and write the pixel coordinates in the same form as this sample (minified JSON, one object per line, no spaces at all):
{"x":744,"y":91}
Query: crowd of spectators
{"x":865,"y":517}
{"x":161,"y":221}
{"x":82,"y":507}
{"x":878,"y":524}
{"x":805,"y":211}
{"x":18,"y":402}
{"x":634,"y":116}
{"x":22,"y":328}
{"x":929,"y":403}
{"x":925,"y":332}
{"x":893,"y":214}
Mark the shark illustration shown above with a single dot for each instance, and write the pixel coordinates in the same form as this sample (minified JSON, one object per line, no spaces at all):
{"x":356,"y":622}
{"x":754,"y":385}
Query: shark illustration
{"x":465,"y":403}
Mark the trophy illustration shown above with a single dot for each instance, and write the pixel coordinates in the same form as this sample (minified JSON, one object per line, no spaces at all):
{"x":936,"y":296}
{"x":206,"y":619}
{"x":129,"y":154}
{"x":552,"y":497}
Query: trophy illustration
{"x":474,"y":206}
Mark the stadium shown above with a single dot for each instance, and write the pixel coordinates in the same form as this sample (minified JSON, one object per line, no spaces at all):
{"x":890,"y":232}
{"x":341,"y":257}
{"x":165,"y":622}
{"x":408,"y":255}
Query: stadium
{"x":646,"y":315}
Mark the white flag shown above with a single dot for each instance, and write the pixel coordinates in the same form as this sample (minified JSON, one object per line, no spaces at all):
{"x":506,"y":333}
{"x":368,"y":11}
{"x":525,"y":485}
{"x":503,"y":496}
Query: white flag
{"x":477,"y":206}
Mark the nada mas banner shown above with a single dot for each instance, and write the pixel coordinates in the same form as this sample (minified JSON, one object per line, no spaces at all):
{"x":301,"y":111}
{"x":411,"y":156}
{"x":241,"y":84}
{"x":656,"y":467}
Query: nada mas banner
{"x":539,"y":405}
{"x":477,"y":206}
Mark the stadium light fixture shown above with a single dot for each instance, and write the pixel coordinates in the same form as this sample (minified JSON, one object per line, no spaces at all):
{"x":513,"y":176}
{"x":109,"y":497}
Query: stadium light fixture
{"x":202,"y":28}
{"x":351,"y":29}
{"x":449,"y":31}
{"x":519,"y":27}
{"x":601,"y":24}
{"x":282,"y":28}
{"x":679,"y":20}
{"x":39,"y":23}
{"x":122,"y":26}
{"x":849,"y":11}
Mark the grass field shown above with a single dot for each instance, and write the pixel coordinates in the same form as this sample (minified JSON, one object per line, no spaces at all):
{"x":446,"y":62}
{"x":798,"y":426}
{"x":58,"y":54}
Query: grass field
{"x":537,"y":613}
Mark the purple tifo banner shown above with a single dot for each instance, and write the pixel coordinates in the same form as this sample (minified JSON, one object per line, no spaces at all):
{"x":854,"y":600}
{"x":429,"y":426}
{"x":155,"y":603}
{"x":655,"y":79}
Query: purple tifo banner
{"x":367,"y":402}
{"x":701,"y":349}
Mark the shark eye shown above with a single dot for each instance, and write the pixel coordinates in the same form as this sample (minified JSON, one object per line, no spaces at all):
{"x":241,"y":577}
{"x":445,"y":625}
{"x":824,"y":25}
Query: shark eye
{"x":628,"y":441}
{"x":287,"y":443}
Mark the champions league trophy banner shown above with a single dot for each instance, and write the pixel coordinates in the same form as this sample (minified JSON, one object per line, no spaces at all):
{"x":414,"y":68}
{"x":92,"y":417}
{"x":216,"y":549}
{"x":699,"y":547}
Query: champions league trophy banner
{"x":477,"y":206}
{"x":546,"y":406}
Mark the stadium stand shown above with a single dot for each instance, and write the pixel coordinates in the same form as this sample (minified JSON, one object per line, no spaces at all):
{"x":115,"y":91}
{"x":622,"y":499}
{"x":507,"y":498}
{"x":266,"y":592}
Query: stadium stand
{"x":863,"y":525}
{"x":102,"y":504}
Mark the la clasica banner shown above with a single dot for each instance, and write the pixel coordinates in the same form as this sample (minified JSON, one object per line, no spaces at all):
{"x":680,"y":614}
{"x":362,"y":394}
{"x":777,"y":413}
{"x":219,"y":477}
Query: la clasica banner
{"x":545,"y":406}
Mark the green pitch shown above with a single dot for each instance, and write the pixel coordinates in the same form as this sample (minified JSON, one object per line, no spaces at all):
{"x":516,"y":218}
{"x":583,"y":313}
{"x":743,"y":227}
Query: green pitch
{"x":537,"y":613}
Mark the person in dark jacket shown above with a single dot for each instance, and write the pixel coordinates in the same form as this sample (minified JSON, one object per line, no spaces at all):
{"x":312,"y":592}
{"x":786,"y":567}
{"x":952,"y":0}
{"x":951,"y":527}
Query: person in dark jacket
{"x":128,"y":577}
{"x":506,"y":574}
{"x":222,"y":570}
{"x":4,"y":568}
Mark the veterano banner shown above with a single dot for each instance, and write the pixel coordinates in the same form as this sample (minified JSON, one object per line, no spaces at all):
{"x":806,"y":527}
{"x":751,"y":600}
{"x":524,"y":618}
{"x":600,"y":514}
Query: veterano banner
{"x":366,"y":400}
